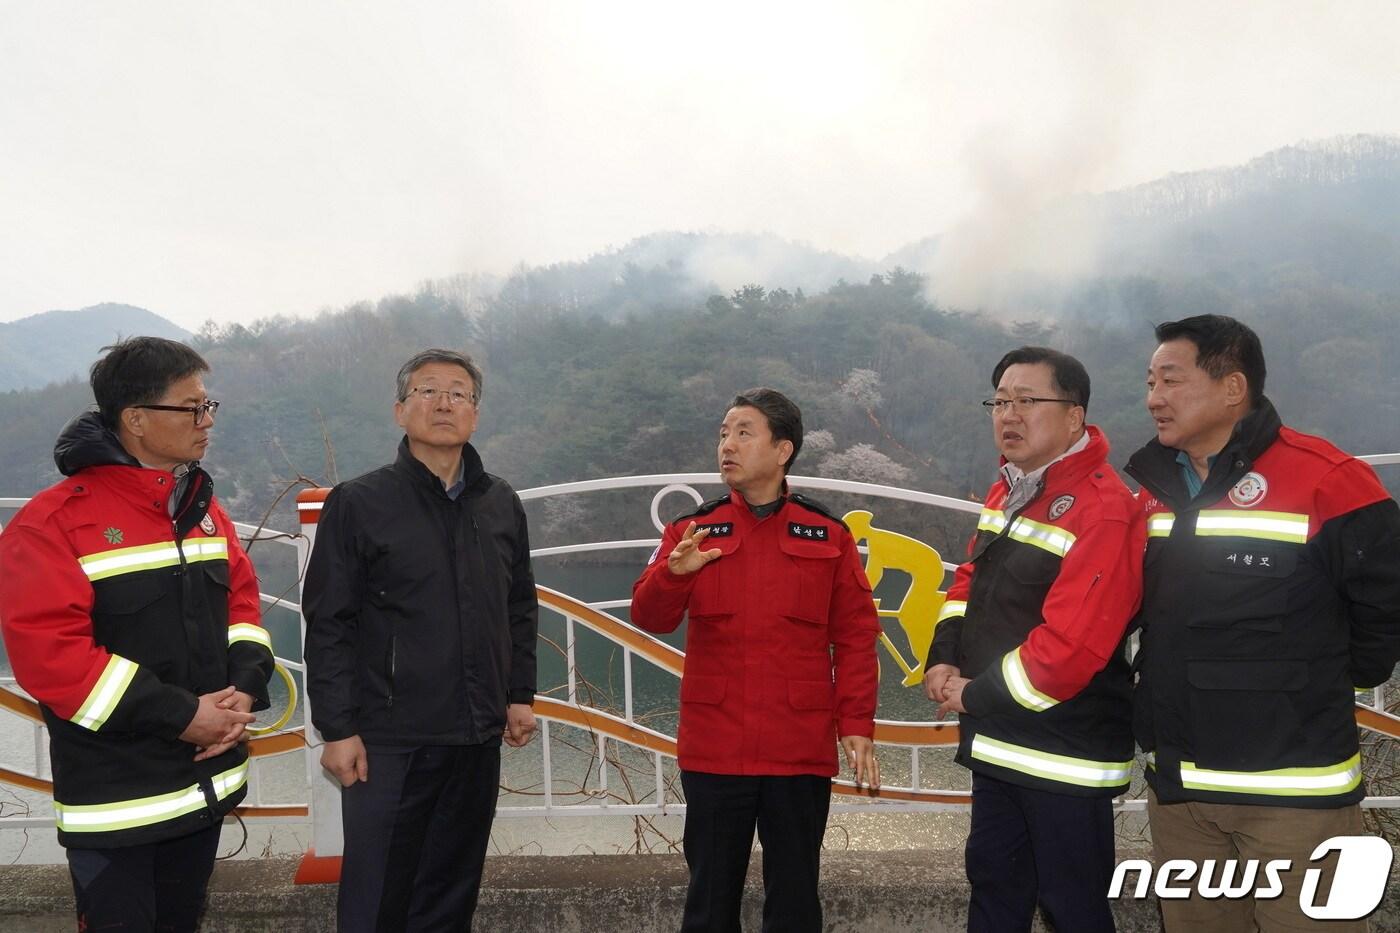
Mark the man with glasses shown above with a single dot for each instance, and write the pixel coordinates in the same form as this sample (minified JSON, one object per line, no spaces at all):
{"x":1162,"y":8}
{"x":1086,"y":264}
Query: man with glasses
{"x":420,"y":656}
{"x":130,"y":612}
{"x":1028,"y":650}
{"x":1271,"y":590}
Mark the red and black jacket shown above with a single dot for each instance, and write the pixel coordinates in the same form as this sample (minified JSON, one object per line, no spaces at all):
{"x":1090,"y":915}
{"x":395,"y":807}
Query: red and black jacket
{"x":780,"y":644}
{"x":1036,"y":618}
{"x":1268,"y":598}
{"x":116,"y":618}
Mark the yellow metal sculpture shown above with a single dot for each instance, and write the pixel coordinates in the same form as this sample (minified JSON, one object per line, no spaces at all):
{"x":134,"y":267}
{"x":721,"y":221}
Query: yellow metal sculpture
{"x":918,"y":611}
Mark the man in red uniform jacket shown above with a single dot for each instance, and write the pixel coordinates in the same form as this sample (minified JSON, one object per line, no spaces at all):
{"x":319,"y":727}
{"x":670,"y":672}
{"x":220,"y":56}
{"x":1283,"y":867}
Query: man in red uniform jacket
{"x":130,"y":612}
{"x":1029,"y":651}
{"x":780,"y":662}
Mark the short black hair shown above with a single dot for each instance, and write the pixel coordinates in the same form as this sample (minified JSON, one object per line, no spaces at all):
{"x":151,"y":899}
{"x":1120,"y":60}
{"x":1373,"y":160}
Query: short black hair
{"x":1223,"y":346}
{"x":438,"y":355}
{"x":1070,"y":376}
{"x":138,"y":371}
{"x":783,"y":416}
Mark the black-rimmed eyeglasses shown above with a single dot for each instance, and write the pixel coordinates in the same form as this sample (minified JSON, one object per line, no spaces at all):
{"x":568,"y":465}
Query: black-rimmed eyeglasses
{"x":207,"y":407}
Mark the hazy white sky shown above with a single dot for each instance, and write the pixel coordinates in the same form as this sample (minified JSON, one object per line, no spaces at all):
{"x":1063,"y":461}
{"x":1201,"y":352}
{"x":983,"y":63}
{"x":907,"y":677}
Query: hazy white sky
{"x":240,"y":160}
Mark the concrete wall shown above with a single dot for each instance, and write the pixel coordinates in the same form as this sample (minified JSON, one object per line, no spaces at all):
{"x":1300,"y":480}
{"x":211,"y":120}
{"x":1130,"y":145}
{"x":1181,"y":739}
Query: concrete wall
{"x":863,"y":892}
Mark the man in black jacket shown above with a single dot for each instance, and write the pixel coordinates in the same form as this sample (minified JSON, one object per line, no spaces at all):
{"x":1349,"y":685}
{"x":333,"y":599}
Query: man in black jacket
{"x":1271,"y":591}
{"x":420,"y":651}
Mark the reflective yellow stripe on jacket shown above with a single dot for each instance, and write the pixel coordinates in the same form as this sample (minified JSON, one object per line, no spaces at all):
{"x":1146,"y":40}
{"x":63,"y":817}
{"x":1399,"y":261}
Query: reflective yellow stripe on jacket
{"x":106,"y":693}
{"x":1063,"y":768}
{"x":1018,"y":683}
{"x":113,"y":563}
{"x":1037,"y":534}
{"x":247,"y":631}
{"x":952,"y":609}
{"x":1341,"y":778}
{"x":145,"y":811}
{"x":1289,"y":527}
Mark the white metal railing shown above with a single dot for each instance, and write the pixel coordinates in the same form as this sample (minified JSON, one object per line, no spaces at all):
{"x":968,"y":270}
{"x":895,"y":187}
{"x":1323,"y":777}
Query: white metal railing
{"x":610,"y":729}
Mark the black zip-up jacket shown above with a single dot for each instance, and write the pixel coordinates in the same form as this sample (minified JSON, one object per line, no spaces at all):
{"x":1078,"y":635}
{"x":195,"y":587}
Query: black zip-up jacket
{"x":421,"y":612}
{"x":1267,"y":598}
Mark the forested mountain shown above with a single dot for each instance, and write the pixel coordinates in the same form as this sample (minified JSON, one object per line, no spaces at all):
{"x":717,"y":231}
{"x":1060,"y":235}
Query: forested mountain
{"x":624,"y":366}
{"x":57,"y":345}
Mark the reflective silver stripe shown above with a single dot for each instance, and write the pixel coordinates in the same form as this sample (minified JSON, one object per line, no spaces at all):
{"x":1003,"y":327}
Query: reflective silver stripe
{"x":1160,"y":524}
{"x":247,"y":631}
{"x":1272,"y":526}
{"x":993,"y":520}
{"x":150,"y":557}
{"x":106,"y":693}
{"x":1019,"y":683}
{"x":144,"y":811}
{"x":1046,"y":537}
{"x":1340,"y":778}
{"x":1062,"y":768}
{"x":952,"y":609}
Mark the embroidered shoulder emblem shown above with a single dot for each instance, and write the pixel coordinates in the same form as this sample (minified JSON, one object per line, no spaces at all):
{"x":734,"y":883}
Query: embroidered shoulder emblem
{"x":1060,"y":506}
{"x":113,"y":535}
{"x":812,"y":532}
{"x":1249,"y":491}
{"x":207,"y":524}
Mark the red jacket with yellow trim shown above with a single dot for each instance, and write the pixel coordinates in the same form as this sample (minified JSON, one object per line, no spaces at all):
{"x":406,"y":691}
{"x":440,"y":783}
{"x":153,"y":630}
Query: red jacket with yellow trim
{"x":1268,"y":597}
{"x":1036,"y":618}
{"x":780,"y":642}
{"x":116,"y":617}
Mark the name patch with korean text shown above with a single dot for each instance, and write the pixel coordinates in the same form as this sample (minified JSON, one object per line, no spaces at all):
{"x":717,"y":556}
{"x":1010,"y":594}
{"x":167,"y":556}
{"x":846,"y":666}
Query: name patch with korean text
{"x":811,"y":532}
{"x":717,"y":530}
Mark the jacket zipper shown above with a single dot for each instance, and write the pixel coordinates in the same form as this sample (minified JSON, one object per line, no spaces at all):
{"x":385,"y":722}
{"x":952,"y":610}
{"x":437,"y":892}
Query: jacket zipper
{"x":393,"y":665}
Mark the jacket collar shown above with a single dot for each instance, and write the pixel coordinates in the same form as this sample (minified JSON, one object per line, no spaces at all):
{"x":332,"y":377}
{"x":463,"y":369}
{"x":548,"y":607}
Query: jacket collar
{"x":1155,"y":465}
{"x":473,"y":473}
{"x":85,"y":442}
{"x":1069,"y":468}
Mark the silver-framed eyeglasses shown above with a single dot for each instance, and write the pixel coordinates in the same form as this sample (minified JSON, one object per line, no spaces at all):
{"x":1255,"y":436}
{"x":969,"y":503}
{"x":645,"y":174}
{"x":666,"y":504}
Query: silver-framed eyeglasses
{"x":431,"y":395}
{"x":1021,"y":404}
{"x":207,"y":407}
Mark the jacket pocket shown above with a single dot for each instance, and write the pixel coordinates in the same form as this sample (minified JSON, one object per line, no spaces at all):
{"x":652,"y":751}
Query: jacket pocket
{"x":1245,"y":584}
{"x":137,"y":617}
{"x":716,"y":587}
{"x":1244,"y":714}
{"x":806,"y":578}
{"x":702,"y":688}
{"x":130,"y":593}
{"x":811,"y":695}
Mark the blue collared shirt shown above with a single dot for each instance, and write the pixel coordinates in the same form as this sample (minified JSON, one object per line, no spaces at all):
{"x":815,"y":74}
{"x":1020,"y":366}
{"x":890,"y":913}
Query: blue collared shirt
{"x":459,"y":484}
{"x":1188,"y":472}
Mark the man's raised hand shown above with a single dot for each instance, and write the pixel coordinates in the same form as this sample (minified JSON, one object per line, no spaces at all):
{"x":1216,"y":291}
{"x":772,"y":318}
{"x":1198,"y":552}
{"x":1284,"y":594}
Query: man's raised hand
{"x":687,"y":556}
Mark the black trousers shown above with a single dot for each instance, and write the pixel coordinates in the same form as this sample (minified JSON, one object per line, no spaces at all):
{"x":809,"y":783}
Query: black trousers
{"x":158,"y":887}
{"x":722,"y":811}
{"x":415,"y":838}
{"x":1035,"y":845}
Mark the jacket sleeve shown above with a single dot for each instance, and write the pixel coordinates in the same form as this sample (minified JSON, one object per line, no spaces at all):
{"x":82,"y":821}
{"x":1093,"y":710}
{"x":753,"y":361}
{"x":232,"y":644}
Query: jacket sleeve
{"x":947,"y":631}
{"x":46,"y":607}
{"x":331,"y":598}
{"x":1085,"y":614}
{"x":1364,"y":555}
{"x":854,"y":627}
{"x":250,"y":657}
{"x":524,"y":612}
{"x":660,"y":597}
